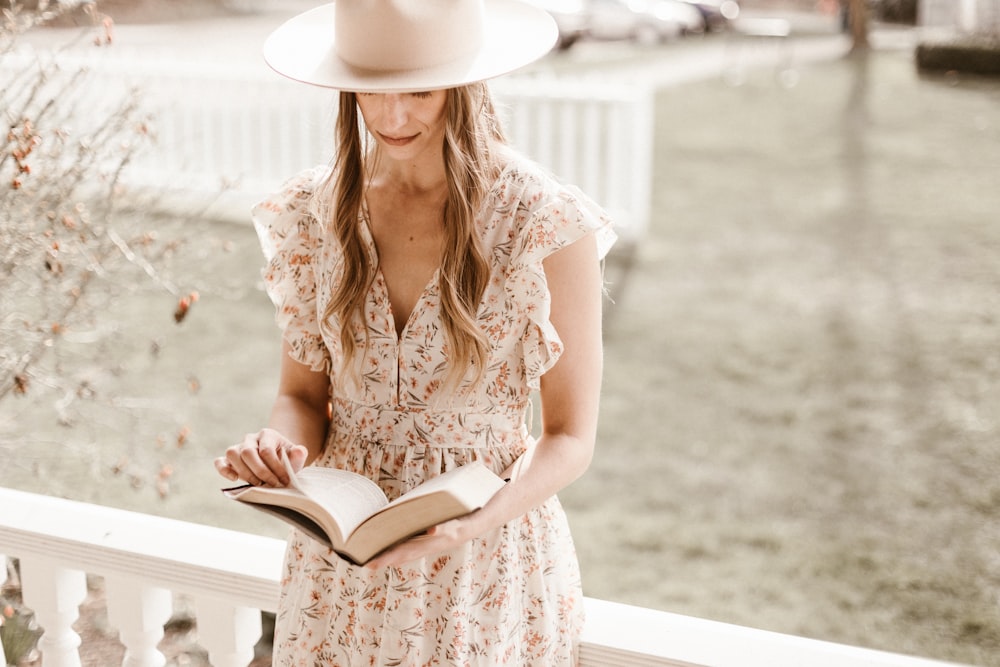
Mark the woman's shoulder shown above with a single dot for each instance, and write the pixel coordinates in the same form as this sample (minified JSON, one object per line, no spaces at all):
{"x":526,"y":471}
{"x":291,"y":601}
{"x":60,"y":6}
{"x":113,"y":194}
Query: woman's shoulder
{"x":532,"y":186}
{"x":537,"y":204}
{"x":526,"y":186}
{"x":287,"y":213}
{"x":295,"y":192}
{"x":520,"y":175}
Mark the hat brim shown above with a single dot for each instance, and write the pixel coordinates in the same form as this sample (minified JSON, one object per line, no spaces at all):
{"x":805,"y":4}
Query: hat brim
{"x":515,"y":34}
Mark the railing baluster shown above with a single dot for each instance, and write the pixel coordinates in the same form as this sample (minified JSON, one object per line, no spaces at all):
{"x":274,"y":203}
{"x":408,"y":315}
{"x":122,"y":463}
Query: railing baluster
{"x":3,"y":580}
{"x":544,"y":144}
{"x":228,"y":632}
{"x":139,"y":612}
{"x":593,"y":138}
{"x":568,"y":132}
{"x":642,"y":124}
{"x":55,"y":593}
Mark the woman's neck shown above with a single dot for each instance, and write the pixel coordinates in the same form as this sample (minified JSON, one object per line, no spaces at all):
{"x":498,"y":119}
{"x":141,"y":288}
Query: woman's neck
{"x":417,"y":178}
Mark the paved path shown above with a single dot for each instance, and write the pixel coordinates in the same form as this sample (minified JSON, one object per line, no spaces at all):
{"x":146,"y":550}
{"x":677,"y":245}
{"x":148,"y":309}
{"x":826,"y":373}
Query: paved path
{"x":236,"y":40}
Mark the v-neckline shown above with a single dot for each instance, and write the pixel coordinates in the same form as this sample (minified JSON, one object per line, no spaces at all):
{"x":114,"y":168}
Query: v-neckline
{"x":400,"y":333}
{"x":369,"y":237}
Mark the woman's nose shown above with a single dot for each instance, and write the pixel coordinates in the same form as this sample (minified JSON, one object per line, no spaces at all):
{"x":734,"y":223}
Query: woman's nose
{"x":394,"y":109}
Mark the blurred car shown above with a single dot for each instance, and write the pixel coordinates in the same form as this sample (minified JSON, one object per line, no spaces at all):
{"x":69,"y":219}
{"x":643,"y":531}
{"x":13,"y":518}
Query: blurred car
{"x":644,"y":21}
{"x":716,"y":14}
{"x":674,"y":11}
{"x":571,"y":17}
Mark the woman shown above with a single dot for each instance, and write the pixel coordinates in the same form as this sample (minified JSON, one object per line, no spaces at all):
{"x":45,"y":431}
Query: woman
{"x":427,"y":284}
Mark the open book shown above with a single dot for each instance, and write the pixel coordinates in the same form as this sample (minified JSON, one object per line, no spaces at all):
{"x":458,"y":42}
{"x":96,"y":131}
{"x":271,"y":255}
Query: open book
{"x":350,"y":514}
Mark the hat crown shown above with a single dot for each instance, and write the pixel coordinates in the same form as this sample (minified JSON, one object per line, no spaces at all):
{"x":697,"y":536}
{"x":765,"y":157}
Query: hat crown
{"x":382,"y":46}
{"x":392,"y":35}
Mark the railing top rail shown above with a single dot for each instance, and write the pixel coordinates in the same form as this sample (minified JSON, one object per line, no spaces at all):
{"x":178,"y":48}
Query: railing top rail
{"x":244,"y":569}
{"x":181,"y":556}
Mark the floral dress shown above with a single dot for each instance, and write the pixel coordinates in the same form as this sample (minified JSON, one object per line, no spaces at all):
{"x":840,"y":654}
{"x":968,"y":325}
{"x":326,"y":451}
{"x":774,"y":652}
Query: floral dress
{"x":511,"y":597}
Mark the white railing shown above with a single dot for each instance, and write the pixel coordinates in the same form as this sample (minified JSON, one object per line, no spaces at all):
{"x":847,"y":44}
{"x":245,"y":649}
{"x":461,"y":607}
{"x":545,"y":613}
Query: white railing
{"x":231,"y":577}
{"x":248,"y":129}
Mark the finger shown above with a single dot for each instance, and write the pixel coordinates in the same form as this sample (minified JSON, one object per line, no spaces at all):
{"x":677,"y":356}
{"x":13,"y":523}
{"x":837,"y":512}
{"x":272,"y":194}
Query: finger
{"x":226,"y":470}
{"x":262,"y":454}
{"x":245,"y":459}
{"x":273,"y":468}
{"x":231,"y":465}
{"x":297,"y":455}
{"x":412,"y":549}
{"x":275,"y":448}
{"x":244,"y":473}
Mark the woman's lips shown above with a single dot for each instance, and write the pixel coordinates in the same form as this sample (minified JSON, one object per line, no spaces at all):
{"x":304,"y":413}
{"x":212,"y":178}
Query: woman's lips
{"x":397,"y":141}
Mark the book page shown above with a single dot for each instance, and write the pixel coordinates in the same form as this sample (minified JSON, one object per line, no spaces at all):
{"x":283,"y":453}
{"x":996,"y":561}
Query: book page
{"x":463,"y":482}
{"x":449,"y":495}
{"x":348,"y":497}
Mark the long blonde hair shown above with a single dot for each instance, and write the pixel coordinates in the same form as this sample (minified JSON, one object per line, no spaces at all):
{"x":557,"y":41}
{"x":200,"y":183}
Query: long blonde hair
{"x":472,"y":163}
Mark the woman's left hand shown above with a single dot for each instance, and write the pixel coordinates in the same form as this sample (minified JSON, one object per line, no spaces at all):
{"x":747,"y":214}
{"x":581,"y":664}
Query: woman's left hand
{"x":438,"y":539}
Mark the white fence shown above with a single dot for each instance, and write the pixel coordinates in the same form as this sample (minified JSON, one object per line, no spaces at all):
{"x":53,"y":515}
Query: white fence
{"x":247,"y":130}
{"x":231,"y":576}
{"x":970,"y":16}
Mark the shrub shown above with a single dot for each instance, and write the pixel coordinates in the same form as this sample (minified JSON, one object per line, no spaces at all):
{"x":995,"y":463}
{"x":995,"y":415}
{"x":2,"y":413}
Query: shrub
{"x":18,"y":632}
{"x":68,"y":248}
{"x":896,"y":11}
{"x":975,"y":54}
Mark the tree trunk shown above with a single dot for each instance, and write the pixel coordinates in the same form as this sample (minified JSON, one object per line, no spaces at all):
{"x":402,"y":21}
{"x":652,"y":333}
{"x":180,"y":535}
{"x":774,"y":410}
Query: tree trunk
{"x":857,"y":15}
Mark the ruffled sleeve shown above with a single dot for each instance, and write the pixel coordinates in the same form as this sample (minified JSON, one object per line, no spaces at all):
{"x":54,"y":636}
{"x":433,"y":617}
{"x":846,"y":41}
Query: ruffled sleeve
{"x":291,"y":239}
{"x":557,"y":216}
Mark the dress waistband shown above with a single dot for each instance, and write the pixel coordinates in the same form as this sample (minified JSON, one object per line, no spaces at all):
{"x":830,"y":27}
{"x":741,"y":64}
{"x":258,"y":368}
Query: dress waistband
{"x":429,"y":428}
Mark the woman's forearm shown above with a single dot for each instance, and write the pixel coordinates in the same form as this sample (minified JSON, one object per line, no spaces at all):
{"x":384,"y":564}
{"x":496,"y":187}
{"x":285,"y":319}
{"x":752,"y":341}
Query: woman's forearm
{"x":551,"y":464}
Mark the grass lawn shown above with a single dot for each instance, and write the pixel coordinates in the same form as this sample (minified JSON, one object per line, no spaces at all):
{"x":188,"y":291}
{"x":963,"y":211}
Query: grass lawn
{"x":802,"y":397}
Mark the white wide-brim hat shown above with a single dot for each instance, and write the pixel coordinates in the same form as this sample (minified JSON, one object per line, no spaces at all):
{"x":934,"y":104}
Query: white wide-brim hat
{"x":383,"y":46}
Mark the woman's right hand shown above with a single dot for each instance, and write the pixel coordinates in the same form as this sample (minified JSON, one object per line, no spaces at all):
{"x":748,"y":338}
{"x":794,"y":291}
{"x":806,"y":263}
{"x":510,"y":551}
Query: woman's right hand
{"x":257,"y":460}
